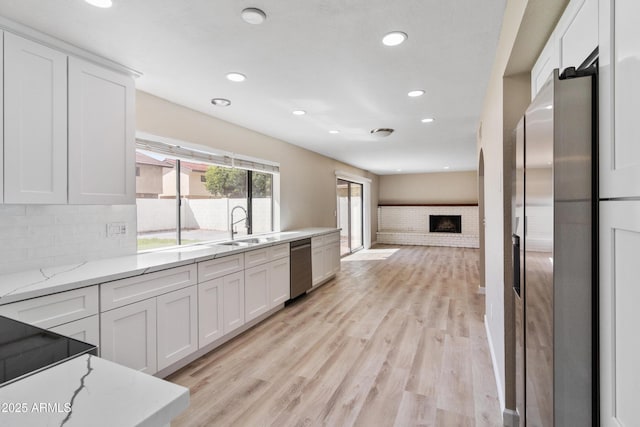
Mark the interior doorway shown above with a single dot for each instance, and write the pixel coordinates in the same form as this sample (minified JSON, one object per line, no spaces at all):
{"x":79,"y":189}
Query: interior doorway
{"x":481,"y":219}
{"x":350,"y":216}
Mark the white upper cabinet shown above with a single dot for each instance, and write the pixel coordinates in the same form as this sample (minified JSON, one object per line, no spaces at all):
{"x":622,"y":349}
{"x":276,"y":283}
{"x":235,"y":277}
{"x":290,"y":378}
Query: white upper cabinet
{"x":548,"y":60}
{"x":577,"y":32}
{"x":572,"y":41}
{"x":35,"y":122}
{"x":101,"y":135}
{"x":619,"y":98}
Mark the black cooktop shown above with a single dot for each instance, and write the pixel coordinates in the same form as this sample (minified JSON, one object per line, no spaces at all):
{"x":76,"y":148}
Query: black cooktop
{"x":26,"y":349}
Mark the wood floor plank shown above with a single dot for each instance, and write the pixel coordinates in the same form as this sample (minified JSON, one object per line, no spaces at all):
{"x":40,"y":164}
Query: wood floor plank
{"x":397,"y":339}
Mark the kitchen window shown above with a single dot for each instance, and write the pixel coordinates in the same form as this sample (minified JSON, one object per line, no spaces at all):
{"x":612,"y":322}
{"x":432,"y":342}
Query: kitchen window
{"x":186,"y":196}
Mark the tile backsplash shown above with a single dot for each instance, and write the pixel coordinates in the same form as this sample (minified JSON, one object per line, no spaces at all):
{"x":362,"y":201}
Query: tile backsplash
{"x":37,"y":236}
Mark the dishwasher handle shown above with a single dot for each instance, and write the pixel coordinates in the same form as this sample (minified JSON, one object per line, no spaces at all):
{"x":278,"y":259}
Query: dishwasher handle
{"x":298,"y":248}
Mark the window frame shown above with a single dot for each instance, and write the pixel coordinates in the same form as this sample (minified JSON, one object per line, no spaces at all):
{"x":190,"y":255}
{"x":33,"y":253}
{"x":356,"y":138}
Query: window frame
{"x":273,"y":223}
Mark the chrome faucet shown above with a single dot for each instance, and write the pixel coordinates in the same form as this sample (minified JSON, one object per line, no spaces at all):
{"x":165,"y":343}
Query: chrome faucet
{"x":246,"y":216}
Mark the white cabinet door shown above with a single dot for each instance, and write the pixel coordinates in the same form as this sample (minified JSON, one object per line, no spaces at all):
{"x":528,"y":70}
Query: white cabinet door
{"x":177,"y":325}
{"x":548,"y":60}
{"x":256,"y":291}
{"x":101,"y":135}
{"x":332,"y":251}
{"x":619,"y":314}
{"x":35,"y":122}
{"x":577,"y":32}
{"x":233,"y":305}
{"x":128,"y":336}
{"x":279,"y":281}
{"x":86,"y":330}
{"x":210,"y":309}
{"x":317,"y":265}
{"x":328,"y":264}
{"x":619,"y":98}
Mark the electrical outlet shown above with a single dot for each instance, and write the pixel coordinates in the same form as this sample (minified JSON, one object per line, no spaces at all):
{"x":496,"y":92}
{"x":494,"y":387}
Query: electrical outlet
{"x":115,"y":229}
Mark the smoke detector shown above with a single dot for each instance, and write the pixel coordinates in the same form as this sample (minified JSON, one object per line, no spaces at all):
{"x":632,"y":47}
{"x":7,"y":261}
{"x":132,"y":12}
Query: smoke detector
{"x":381,"y":132}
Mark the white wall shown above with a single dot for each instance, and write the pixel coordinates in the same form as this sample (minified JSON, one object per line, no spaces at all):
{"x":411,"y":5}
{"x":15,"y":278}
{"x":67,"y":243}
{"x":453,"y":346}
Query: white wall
{"x":307,"y":179}
{"x":207,"y":214}
{"x":37,"y":236}
{"x":438,"y":187}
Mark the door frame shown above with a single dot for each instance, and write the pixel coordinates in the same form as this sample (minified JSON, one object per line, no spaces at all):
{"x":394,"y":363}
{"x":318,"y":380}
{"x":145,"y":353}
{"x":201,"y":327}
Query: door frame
{"x":366,"y":203}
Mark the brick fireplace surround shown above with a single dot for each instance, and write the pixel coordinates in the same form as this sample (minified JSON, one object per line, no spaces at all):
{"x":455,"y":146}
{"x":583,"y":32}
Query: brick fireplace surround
{"x":409,"y":225}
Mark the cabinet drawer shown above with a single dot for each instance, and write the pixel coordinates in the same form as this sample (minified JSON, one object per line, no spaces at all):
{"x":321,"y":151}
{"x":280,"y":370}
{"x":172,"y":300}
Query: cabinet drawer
{"x":86,"y":330}
{"x":278,"y":251}
{"x":219,"y":267}
{"x":331,"y":238}
{"x":126,"y":291}
{"x":317,"y":241}
{"x":53,"y":310}
{"x":256,"y":257}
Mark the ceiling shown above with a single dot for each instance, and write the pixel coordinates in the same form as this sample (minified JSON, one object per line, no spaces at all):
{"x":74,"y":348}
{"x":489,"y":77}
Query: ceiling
{"x":322,"y":56}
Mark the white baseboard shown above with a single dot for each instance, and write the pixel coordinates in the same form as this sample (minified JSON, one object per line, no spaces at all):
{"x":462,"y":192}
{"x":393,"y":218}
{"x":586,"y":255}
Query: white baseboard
{"x":496,"y":372}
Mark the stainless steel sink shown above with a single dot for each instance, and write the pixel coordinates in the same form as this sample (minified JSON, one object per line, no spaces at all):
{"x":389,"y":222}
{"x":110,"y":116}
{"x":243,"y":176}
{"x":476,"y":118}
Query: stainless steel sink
{"x":256,"y":240}
{"x":246,"y":242}
{"x":234,"y":243}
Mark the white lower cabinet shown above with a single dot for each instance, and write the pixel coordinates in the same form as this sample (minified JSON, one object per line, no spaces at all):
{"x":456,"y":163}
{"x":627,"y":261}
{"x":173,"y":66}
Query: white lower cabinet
{"x":177,"y":323}
{"x":325,"y":257}
{"x":256,"y":291}
{"x":128,"y":336}
{"x":86,"y":330}
{"x":210,"y":311}
{"x":233,"y":302}
{"x":267,"y":285}
{"x":619,"y":314}
{"x":317,"y":265}
{"x":279,"y":285}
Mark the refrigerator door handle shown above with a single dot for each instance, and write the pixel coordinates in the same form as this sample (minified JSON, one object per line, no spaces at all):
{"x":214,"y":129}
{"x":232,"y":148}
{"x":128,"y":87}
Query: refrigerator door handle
{"x":515,"y":240}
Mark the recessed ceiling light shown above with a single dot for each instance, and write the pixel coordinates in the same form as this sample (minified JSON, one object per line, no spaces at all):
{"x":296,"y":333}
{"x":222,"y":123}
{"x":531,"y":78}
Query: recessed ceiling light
{"x":446,"y":167}
{"x":415,"y":93}
{"x":394,"y":38}
{"x":334,"y":131}
{"x":549,"y":107}
{"x":253,"y":15}
{"x":100,"y":3}
{"x":220,"y":102}
{"x":398,"y":170}
{"x":382,"y":132}
{"x":236,"y":77}
{"x":428,"y":120}
{"x":298,"y":112}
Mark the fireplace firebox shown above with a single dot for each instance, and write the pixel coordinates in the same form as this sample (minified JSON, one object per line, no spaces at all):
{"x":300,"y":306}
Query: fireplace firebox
{"x":445,"y":223}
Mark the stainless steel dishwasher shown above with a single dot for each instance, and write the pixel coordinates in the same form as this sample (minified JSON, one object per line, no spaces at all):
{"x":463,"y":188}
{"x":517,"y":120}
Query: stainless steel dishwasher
{"x":300,"y":267}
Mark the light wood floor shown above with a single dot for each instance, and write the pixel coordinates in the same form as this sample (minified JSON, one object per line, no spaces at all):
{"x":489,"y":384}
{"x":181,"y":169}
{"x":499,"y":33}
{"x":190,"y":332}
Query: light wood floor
{"x":397,"y":339}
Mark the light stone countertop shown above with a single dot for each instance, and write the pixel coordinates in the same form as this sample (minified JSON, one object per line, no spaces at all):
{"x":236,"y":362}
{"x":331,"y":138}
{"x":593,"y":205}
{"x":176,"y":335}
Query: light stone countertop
{"x":90,"y":391}
{"x":45,"y":281}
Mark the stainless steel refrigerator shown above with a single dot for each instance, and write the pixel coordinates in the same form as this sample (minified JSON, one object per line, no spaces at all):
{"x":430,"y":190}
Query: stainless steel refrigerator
{"x":554,"y":250}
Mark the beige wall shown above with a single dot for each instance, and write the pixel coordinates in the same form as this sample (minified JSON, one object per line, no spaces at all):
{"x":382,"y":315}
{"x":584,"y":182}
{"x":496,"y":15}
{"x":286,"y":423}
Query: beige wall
{"x":307,"y":179}
{"x":440,"y":187}
{"x":150,"y":179}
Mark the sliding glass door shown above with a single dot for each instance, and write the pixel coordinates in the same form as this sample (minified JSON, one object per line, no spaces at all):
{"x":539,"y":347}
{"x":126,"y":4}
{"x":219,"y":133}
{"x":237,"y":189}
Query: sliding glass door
{"x":350,"y":214}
